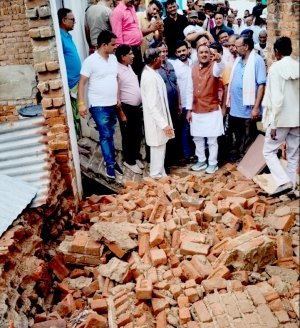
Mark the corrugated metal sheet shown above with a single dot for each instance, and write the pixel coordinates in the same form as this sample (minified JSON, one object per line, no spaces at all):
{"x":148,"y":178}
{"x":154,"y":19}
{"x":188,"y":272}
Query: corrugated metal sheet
{"x":24,"y":154}
{"x":15,"y":195}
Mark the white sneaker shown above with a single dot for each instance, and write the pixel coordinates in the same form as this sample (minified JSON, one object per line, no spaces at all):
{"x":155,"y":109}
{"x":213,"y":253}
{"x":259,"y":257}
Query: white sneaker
{"x":199,"y":166}
{"x":211,"y":169}
{"x":140,"y":164}
{"x":134,"y":168}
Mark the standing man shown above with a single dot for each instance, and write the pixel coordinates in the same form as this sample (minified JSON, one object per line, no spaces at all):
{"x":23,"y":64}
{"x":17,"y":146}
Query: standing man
{"x":72,"y":60}
{"x":219,"y":19}
{"x":151,"y":24}
{"x":125,"y":26}
{"x":100,"y":71}
{"x":281,"y":116}
{"x":157,"y":118}
{"x":245,"y":91}
{"x":261,"y":46}
{"x":130,"y":111}
{"x":97,"y":19}
{"x":182,"y":66}
{"x":203,"y":107}
{"x":174,"y":24}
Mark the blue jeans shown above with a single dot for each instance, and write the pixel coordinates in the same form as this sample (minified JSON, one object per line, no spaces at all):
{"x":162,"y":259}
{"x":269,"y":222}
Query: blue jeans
{"x":105,"y":119}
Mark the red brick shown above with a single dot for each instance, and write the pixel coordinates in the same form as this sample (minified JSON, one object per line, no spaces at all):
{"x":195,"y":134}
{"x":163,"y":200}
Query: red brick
{"x":124,"y":319}
{"x":192,"y":294}
{"x":80,"y":240}
{"x":95,"y":320}
{"x":259,"y":209}
{"x":189,"y":271}
{"x":99,"y":305}
{"x":183,"y":301}
{"x":58,"y":267}
{"x":248,"y":223}
{"x":220,"y":272}
{"x":66,"y":307}
{"x":204,"y":269}
{"x":159,"y":304}
{"x":184,"y":315}
{"x":281,"y":223}
{"x":192,"y":324}
{"x":58,"y":323}
{"x":190,"y":248}
{"x":92,"y":247}
{"x":158,"y":257}
{"x":161,"y":320}
{"x":267,"y":316}
{"x":284,"y":247}
{"x":143,"y":244}
{"x":202,"y":312}
{"x":223,"y":206}
{"x":143,"y":289}
{"x":212,"y":284}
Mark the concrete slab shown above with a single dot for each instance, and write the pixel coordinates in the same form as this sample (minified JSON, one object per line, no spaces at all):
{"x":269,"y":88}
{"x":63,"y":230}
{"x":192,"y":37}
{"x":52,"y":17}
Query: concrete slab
{"x":253,"y":162}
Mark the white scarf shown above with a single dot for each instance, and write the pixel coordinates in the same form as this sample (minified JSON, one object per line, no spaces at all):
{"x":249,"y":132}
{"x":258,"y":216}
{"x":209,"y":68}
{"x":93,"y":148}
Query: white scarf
{"x":248,"y":81}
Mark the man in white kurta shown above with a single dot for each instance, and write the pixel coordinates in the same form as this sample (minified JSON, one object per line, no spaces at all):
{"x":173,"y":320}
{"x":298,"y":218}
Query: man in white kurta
{"x":281,"y":116}
{"x":157,"y":118}
{"x":203,"y":107}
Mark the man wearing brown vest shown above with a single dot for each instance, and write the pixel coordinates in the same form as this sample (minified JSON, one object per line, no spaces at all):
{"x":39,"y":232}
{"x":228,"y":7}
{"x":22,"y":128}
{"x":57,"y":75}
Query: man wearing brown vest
{"x":203,"y":104}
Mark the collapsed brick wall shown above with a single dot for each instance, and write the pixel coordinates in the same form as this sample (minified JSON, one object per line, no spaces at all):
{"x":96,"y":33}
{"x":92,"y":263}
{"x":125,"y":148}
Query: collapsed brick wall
{"x":15,"y":49}
{"x":25,"y":281}
{"x":283,"y":20}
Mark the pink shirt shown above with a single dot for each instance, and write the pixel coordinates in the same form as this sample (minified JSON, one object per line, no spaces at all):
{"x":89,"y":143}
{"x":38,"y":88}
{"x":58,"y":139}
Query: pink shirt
{"x":129,"y":90}
{"x":125,"y":25}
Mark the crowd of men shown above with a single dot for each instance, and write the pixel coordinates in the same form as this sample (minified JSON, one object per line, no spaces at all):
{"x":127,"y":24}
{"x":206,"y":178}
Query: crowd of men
{"x":187,"y":82}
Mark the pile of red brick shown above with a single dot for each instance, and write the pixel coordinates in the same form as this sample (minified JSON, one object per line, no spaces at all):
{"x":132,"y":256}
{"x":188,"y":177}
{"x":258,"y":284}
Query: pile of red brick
{"x":180,"y":252}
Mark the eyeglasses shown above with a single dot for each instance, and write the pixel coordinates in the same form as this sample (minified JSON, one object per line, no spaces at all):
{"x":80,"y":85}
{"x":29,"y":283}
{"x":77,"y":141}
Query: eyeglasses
{"x":71,"y":19}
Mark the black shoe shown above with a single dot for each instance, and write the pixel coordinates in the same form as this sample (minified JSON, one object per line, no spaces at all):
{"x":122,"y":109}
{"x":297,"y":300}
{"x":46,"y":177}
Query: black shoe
{"x":118,"y":169}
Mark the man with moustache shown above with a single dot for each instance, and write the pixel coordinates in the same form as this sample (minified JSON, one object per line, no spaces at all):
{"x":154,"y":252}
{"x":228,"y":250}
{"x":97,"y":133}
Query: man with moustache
{"x":150,"y":23}
{"x":66,"y":21}
{"x":125,"y":26}
{"x":130,"y":111}
{"x":204,"y":112}
{"x":174,"y":24}
{"x":100,"y":71}
{"x":245,"y":91}
{"x":182,"y":66}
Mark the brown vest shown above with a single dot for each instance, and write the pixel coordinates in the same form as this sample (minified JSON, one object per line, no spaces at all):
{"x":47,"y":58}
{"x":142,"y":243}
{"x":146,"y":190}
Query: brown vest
{"x":205,"y":85}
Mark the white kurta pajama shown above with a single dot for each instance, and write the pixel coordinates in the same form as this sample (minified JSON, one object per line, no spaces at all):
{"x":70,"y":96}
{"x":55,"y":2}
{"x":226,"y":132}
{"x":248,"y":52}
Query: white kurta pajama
{"x":281,"y":112}
{"x":206,"y":125}
{"x":156,"y":117}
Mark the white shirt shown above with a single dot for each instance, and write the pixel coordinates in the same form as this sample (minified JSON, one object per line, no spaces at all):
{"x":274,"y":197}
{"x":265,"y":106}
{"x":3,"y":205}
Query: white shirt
{"x":182,"y":71}
{"x":102,"y":84}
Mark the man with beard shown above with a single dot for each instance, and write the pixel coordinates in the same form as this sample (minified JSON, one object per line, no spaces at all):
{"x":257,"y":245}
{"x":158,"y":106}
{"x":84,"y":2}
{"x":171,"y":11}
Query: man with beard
{"x":150,"y":23}
{"x":245,"y":91}
{"x":204,"y":111}
{"x":174,"y":24}
{"x":99,"y":71}
{"x":72,"y":60}
{"x":125,"y":26}
{"x":182,"y":66}
{"x":219,"y":19}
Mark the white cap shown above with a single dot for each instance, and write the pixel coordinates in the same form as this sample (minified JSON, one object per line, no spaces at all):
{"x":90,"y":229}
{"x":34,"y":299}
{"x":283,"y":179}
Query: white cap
{"x":192,"y":29}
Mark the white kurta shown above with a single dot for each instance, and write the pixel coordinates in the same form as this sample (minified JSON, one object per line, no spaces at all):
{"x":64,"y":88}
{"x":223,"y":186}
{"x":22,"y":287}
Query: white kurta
{"x":155,"y":107}
{"x":207,"y":124}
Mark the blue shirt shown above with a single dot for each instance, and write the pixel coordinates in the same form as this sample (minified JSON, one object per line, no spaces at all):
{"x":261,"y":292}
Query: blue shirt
{"x":72,"y":59}
{"x":237,"y":108}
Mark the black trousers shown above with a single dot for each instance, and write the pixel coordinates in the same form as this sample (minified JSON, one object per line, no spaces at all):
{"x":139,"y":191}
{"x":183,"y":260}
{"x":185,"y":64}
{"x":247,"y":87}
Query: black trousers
{"x":241,"y":133}
{"x":131,"y":132}
{"x":138,"y":63}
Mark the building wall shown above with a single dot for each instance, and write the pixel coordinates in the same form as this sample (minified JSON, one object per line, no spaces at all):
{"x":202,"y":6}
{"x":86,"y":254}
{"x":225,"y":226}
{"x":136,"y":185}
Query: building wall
{"x":283,"y":20}
{"x":28,"y":54}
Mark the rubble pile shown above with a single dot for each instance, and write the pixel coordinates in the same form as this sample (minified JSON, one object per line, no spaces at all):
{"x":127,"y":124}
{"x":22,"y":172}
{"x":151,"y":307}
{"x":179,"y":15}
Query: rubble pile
{"x":179,"y":252}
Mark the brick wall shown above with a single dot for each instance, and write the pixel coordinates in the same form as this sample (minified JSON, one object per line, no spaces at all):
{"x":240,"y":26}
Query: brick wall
{"x":283,"y":20}
{"x":15,"y":49}
{"x":46,"y":65}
